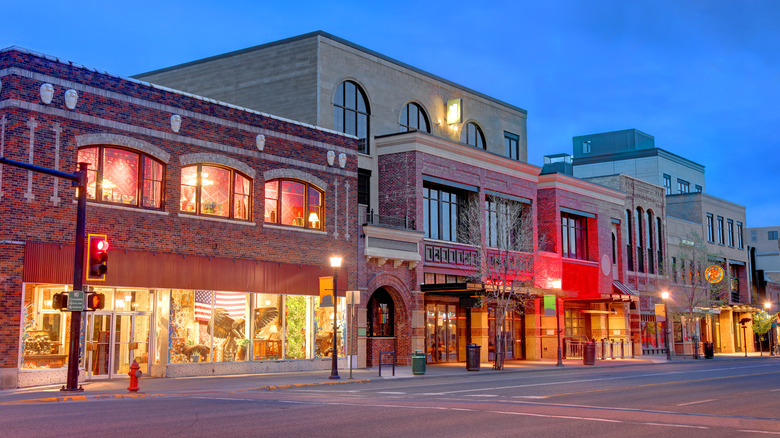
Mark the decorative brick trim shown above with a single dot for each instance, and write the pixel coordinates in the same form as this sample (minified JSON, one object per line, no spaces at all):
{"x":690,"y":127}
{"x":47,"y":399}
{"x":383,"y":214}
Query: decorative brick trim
{"x":206,"y":157}
{"x":294,"y":174}
{"x":123,"y":140}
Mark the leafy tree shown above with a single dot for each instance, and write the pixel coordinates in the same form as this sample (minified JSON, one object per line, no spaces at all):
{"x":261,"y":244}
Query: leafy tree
{"x":762,"y":323}
{"x":693,"y":293}
{"x":505,"y":261}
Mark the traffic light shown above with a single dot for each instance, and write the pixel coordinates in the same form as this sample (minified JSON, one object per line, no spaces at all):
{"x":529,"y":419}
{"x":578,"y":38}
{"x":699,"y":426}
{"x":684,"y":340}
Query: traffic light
{"x":96,"y":301}
{"x":59,"y":301}
{"x":97,"y":256}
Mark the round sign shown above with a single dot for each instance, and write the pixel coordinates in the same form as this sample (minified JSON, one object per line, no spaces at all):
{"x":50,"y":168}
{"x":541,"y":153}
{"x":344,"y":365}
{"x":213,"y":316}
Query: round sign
{"x":714,"y":274}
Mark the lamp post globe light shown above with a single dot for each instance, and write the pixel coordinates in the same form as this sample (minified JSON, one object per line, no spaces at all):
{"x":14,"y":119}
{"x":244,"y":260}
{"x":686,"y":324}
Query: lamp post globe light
{"x":665,"y":296}
{"x":335,"y":263}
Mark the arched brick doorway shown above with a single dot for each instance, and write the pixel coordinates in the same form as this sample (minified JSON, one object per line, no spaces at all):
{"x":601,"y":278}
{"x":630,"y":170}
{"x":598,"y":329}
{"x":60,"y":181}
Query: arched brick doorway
{"x":388,"y":321}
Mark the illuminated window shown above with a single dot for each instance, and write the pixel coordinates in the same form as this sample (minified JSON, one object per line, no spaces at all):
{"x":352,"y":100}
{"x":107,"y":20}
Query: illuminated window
{"x":119,"y":176}
{"x":210,"y":190}
{"x":413,"y":117}
{"x":473,"y":136}
{"x":350,"y":113}
{"x":294,"y":203}
{"x":380,"y":314}
{"x":441,"y":211}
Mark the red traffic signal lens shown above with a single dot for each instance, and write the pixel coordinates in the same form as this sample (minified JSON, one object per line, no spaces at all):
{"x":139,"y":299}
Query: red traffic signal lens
{"x":101,"y":245}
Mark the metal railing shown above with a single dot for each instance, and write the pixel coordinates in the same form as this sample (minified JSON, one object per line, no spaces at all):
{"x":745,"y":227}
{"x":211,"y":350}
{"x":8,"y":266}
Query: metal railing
{"x":405,"y":222}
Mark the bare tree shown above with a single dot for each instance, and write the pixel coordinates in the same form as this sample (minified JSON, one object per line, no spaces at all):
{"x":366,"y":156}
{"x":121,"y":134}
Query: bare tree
{"x":694,"y":293}
{"x":502,"y":231}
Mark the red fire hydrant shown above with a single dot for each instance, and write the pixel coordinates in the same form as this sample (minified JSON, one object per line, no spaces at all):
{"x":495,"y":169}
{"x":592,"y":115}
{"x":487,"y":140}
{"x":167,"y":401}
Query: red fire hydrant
{"x":135,"y":373}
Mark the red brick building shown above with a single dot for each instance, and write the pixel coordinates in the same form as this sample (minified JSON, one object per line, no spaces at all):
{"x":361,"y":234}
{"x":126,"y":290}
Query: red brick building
{"x":221,"y":221}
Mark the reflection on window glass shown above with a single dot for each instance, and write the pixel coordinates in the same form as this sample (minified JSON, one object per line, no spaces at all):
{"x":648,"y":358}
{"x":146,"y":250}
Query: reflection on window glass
{"x":215,"y":191}
{"x":299,"y":204}
{"x":117,"y":176}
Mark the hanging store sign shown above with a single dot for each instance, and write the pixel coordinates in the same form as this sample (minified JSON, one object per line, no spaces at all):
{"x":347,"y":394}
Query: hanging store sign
{"x":454,"y":111}
{"x":714,"y":274}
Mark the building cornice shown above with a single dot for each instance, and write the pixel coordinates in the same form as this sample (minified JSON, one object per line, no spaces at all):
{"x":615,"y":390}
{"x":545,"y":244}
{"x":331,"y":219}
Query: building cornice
{"x":567,"y":183}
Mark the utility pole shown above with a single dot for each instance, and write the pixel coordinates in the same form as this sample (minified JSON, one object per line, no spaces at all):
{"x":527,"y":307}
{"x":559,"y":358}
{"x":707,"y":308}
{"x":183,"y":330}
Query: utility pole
{"x":79,"y":180}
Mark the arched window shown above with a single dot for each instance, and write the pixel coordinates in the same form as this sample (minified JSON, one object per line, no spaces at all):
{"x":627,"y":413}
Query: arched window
{"x":350,"y":113}
{"x":629,"y":241}
{"x":381,"y":313}
{"x":640,"y":260}
{"x":650,"y":241}
{"x":120,"y":176}
{"x":212,"y":190}
{"x":413,"y":117}
{"x":295,"y":203}
{"x":473,"y":136}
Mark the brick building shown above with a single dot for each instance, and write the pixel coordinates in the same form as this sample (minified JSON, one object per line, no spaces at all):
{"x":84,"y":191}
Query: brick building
{"x":428,"y":150}
{"x":220,"y":220}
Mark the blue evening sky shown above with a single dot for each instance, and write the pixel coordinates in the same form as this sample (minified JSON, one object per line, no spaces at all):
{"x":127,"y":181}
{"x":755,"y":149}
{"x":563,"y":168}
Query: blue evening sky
{"x":703,"y":77}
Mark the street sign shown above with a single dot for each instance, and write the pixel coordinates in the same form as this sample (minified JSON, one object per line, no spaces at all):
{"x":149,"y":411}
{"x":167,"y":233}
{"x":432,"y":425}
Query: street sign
{"x":75,"y":301}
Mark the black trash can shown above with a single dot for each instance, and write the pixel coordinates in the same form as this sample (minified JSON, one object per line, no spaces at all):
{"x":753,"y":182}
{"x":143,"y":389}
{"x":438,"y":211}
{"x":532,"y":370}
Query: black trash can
{"x":709,"y":350}
{"x":418,"y":363}
{"x":589,"y":354}
{"x":472,"y":357}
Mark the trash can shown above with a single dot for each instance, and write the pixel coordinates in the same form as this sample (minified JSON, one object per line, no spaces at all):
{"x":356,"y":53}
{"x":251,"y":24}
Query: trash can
{"x":709,"y":350}
{"x":472,"y":357}
{"x":589,"y":354}
{"x":418,"y":363}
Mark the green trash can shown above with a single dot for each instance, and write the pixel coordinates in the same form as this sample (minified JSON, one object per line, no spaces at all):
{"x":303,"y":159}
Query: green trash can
{"x":418,"y":363}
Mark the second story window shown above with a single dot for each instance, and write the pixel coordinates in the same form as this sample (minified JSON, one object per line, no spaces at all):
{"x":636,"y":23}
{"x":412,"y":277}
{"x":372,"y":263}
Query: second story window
{"x":119,"y":176}
{"x":574,"y":236}
{"x":211,"y":190}
{"x":413,"y":117}
{"x":441,"y":212}
{"x":473,"y":136}
{"x":710,"y":228}
{"x":772,"y":235}
{"x":721,"y":239}
{"x":730,"y":231}
{"x":294,"y":203}
{"x":511,"y":145}
{"x":740,"y":238}
{"x":350,"y":113}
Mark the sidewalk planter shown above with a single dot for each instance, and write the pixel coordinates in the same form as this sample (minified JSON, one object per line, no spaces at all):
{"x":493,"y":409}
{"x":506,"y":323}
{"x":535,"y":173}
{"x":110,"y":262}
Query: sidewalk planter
{"x":472,"y":357}
{"x":418,"y":363}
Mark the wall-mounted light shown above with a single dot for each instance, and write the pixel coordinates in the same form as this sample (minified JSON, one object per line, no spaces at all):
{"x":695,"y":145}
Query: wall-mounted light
{"x":454,"y":111}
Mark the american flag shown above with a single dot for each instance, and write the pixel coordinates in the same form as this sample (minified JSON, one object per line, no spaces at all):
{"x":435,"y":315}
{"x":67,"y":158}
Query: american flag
{"x":234,"y":303}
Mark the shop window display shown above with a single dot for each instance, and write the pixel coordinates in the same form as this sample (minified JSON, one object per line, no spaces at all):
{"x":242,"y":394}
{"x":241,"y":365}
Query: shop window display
{"x":323,"y":327}
{"x":46,"y":331}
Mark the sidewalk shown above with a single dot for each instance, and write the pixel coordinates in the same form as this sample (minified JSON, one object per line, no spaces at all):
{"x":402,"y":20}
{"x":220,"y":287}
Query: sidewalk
{"x":157,"y":387}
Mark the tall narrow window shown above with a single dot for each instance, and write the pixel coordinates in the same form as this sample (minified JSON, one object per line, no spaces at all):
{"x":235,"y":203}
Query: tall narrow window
{"x":659,"y":245}
{"x":473,"y":136}
{"x":650,"y":241}
{"x":125,"y":177}
{"x":501,"y":221}
{"x":351,"y":113}
{"x":381,"y":313}
{"x":730,"y":231}
{"x":511,"y":145}
{"x":294,"y":203}
{"x":629,"y":240}
{"x":710,"y":228}
{"x":215,"y":191}
{"x":640,"y":252}
{"x":413,"y":117}
{"x":364,"y":188}
{"x":740,"y":237}
{"x":721,"y":239}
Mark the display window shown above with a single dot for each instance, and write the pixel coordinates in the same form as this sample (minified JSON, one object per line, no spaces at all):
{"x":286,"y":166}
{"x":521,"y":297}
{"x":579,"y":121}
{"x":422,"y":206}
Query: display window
{"x":120,"y":176}
{"x":46,"y":331}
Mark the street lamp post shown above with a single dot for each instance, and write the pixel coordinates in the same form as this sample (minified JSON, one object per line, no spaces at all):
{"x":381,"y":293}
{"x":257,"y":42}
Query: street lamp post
{"x":558,"y":322}
{"x":335,"y":263}
{"x":767,"y":306}
{"x":665,"y":296}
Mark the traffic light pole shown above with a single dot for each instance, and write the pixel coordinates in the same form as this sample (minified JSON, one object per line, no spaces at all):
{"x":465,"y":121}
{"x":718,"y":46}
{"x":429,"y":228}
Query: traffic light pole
{"x":79,"y":179}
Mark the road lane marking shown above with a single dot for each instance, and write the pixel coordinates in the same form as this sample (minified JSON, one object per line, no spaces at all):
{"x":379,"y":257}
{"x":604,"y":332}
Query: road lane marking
{"x":481,"y":395}
{"x":697,"y":402}
{"x":676,"y":425}
{"x":391,"y":392}
{"x":530,"y":396}
{"x":760,"y":431}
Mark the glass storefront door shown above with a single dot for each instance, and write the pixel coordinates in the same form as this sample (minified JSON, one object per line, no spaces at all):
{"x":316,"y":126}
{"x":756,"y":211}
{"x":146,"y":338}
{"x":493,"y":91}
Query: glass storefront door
{"x":441,"y":333}
{"x":113,"y":341}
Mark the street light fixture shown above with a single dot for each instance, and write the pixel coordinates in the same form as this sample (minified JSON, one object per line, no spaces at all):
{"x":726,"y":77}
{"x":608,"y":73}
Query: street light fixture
{"x":665,"y":296}
{"x":335,"y":263}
